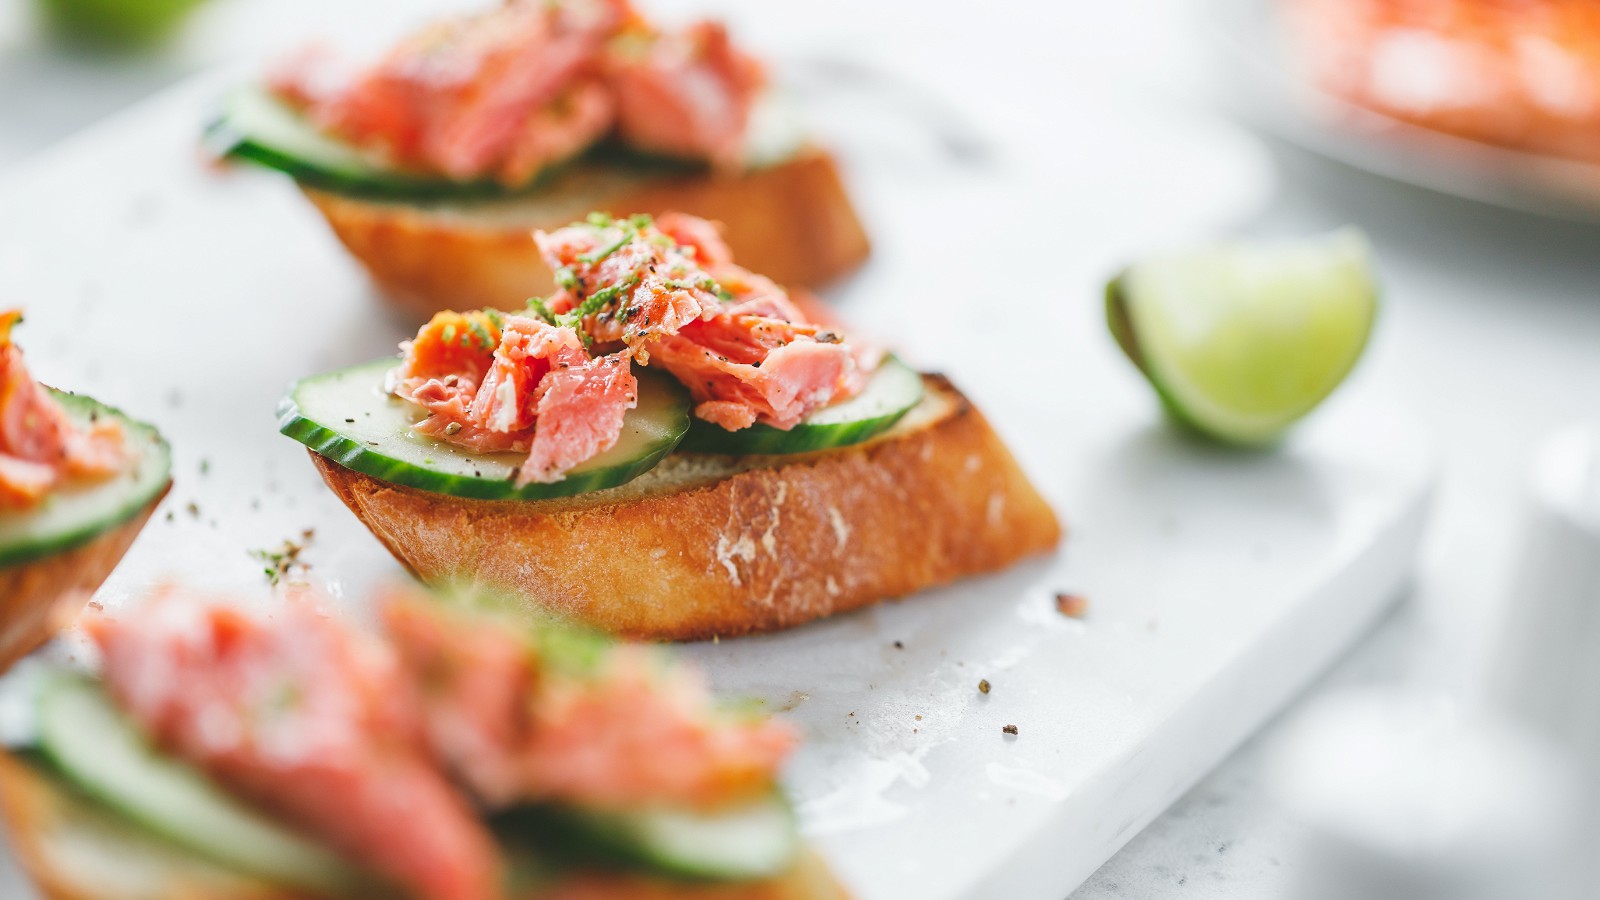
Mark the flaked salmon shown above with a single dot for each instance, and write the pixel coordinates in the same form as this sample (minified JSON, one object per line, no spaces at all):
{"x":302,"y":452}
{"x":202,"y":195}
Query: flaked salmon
{"x":491,"y":382}
{"x":508,"y":93}
{"x":687,"y":94}
{"x":531,"y":714}
{"x":664,"y":293}
{"x":309,"y":720}
{"x":671,"y":293}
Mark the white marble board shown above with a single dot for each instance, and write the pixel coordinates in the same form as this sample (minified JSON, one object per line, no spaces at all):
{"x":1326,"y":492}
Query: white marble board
{"x":1218,"y":582}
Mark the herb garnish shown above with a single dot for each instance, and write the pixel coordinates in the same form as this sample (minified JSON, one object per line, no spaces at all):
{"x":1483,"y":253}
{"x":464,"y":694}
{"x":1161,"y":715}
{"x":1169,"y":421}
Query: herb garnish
{"x":631,"y":227}
{"x":536,"y":305}
{"x":285,"y":561}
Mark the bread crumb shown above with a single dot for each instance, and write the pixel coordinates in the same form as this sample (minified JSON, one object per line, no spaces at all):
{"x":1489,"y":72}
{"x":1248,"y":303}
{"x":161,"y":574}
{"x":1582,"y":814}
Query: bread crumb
{"x":1073,"y":606}
{"x":1009,"y":729}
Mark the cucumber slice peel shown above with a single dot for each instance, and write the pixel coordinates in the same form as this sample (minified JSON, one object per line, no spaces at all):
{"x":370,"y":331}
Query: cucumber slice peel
{"x":346,"y":417}
{"x":894,"y":390}
{"x":253,"y":125}
{"x":78,"y":514}
{"x":755,"y":840}
{"x":83,"y":739}
{"x":1242,"y":340}
{"x":96,"y":749}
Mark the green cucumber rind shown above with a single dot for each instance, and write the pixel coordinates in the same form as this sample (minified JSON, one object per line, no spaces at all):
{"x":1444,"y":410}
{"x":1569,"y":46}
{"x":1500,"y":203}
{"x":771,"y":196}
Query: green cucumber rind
{"x":226,"y":137}
{"x":581,"y":838}
{"x":759,"y":439}
{"x":550,"y":838}
{"x":356,"y":456}
{"x":154,"y":450}
{"x":289,"y":858}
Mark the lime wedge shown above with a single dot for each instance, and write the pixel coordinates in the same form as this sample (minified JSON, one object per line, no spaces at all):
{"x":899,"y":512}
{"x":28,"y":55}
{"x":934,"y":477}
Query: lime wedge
{"x":1243,"y":339}
{"x":124,"y":24}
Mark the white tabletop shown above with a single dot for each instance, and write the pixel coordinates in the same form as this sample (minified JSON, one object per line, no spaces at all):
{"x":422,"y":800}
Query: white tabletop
{"x":1488,"y":335}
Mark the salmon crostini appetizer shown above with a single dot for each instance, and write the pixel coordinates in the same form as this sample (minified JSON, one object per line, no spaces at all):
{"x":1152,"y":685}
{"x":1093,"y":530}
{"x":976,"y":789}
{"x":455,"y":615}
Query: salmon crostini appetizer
{"x":1520,"y":75}
{"x":460,"y":755}
{"x":670,"y":446}
{"x":78,"y":481}
{"x":436,"y":163}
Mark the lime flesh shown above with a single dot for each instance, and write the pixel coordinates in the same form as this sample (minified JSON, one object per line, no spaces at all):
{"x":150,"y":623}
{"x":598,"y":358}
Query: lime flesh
{"x":1242,"y":340}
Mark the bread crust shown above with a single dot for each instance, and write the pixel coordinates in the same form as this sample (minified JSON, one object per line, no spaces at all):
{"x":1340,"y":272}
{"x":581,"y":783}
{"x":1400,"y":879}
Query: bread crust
{"x":774,"y":542}
{"x":792,"y":222}
{"x":33,"y":593}
{"x":56,"y":834}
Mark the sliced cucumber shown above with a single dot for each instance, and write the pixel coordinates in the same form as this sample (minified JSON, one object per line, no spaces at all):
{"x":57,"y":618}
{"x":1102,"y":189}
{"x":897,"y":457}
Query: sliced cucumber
{"x":95,"y":748}
{"x":77,"y":514}
{"x":346,"y":416}
{"x":753,"y":841}
{"x":256,"y":126}
{"x":895,"y":389}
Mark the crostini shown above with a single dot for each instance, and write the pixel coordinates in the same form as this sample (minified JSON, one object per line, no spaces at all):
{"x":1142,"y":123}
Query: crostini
{"x":435,"y":165}
{"x":668,"y":447}
{"x":78,"y":480}
{"x":462,"y":755}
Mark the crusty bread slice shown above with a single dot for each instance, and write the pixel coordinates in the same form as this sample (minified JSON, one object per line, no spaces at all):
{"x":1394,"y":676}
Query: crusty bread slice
{"x":32,"y":593}
{"x":792,"y":222}
{"x":74,"y":849}
{"x":705,"y":546}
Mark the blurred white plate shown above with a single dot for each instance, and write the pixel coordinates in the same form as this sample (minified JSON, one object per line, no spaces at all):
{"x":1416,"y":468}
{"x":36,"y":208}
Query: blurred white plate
{"x":1266,"y":88}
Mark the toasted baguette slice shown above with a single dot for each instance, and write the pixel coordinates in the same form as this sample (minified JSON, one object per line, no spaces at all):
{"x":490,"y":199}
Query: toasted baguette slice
{"x":33,"y":592}
{"x":705,"y":546}
{"x":792,"y":222}
{"x":75,"y":849}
